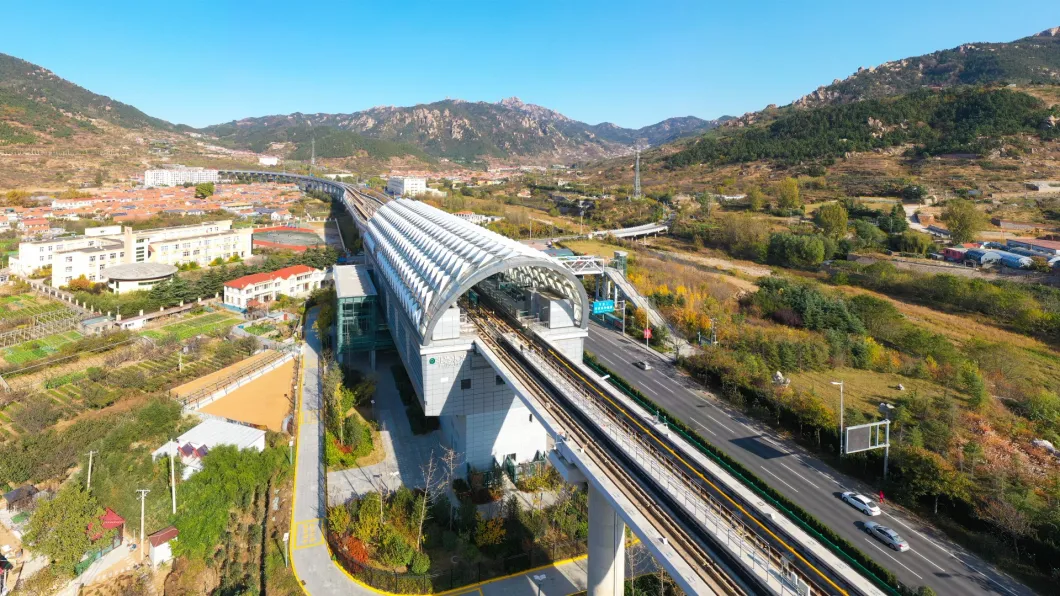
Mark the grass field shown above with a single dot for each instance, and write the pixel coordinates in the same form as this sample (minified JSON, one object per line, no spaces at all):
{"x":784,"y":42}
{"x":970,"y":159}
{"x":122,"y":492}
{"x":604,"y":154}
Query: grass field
{"x":39,"y":348}
{"x":259,"y":329}
{"x":198,"y":325}
{"x":863,"y":389}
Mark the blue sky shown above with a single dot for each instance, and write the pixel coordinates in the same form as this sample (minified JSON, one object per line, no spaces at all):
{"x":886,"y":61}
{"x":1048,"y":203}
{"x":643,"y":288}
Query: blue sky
{"x":631,"y":63}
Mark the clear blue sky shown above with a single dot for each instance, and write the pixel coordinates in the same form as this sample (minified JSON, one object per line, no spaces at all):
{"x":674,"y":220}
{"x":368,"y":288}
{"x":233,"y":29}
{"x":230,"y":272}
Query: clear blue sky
{"x":631,"y":63}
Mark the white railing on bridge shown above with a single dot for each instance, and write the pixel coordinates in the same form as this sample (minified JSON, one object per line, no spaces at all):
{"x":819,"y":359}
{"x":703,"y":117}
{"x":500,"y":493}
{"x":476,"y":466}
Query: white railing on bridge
{"x":584,"y":264}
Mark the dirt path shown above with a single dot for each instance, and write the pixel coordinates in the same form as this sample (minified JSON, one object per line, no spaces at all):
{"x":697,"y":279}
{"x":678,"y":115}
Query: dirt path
{"x":263,"y":401}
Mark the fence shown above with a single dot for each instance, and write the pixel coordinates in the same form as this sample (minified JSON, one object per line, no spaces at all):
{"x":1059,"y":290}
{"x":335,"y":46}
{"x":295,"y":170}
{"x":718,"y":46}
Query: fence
{"x":204,"y":395}
{"x":459,"y":575}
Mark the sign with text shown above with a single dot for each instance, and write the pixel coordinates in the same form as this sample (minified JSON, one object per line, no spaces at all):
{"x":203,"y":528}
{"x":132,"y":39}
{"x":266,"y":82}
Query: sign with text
{"x":647,"y":333}
{"x":603,"y":306}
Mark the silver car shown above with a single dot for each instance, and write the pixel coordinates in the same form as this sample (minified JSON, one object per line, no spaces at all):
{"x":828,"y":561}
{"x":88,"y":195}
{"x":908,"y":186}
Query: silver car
{"x":887,"y":536}
{"x":861,"y":503}
{"x":643,"y":365}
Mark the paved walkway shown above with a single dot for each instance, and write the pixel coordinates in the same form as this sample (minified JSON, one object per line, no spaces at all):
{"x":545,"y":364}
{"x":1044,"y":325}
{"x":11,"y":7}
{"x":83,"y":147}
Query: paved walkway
{"x":405,"y":452}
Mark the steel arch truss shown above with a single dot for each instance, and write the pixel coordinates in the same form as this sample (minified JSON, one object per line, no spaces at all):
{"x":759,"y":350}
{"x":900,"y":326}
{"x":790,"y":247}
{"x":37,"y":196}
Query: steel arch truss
{"x":429,"y":258}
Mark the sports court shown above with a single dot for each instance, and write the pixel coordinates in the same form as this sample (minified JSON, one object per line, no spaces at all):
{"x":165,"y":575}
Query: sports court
{"x":297,"y":239}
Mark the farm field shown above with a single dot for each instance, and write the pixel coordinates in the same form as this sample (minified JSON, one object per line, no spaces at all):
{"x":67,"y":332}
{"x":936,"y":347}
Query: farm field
{"x":263,"y":401}
{"x":72,"y":393}
{"x":259,"y":329}
{"x":26,"y":305}
{"x":38,"y":348}
{"x":196,"y":325}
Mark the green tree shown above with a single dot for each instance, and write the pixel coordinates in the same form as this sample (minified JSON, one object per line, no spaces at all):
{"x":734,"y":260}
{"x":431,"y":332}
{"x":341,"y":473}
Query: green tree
{"x":58,"y":527}
{"x":788,"y":194}
{"x":963,"y":220}
{"x":755,"y":199}
{"x":206,"y":189}
{"x":913,"y":242}
{"x":928,"y":474}
{"x":832,"y":219}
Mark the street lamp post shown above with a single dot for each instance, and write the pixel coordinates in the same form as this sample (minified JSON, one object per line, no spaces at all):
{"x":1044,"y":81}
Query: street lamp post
{"x":840,"y":383}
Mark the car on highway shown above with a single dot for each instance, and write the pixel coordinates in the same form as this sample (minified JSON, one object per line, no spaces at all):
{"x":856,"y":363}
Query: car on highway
{"x":887,"y":536}
{"x":861,"y":503}
{"x":641,"y":364}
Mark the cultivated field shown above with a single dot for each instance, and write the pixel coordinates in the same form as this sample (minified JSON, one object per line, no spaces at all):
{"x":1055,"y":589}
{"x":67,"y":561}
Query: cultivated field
{"x":192,"y":326}
{"x":38,"y":348}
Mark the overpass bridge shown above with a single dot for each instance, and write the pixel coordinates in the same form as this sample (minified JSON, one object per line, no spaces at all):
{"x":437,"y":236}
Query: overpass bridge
{"x":491,"y":333}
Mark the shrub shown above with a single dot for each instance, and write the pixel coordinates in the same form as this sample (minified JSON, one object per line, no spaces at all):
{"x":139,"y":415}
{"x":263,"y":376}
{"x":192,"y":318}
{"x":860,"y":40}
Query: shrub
{"x":420,"y":564}
{"x":394,"y":550}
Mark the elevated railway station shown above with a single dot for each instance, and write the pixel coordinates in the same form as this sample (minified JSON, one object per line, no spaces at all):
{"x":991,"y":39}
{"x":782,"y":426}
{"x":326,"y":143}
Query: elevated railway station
{"x":491,"y":333}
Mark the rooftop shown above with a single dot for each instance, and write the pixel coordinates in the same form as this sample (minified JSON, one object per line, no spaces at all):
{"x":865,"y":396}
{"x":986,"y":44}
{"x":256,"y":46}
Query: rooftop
{"x":257,"y":278}
{"x":212,"y":433}
{"x":352,"y":281}
{"x":136,"y":271}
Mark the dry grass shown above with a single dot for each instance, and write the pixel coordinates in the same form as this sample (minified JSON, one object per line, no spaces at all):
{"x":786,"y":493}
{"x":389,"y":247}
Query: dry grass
{"x":863,"y":390}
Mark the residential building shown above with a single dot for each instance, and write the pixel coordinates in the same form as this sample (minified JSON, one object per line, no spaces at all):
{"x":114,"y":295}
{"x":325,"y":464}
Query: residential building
{"x":161,"y":551}
{"x":20,"y":499}
{"x":268,"y":160}
{"x":107,"y":246}
{"x":193,"y":445}
{"x":248,"y":291}
{"x":34,"y":226}
{"x":178,"y":176}
{"x":406,"y":186}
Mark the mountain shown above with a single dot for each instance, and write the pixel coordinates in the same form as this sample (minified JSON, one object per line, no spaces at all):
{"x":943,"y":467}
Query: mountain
{"x":462,"y":131}
{"x":1033,"y":60}
{"x":36,"y":105}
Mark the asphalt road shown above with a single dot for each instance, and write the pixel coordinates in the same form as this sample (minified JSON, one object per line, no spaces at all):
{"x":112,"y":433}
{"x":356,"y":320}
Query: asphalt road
{"x":932,"y":559}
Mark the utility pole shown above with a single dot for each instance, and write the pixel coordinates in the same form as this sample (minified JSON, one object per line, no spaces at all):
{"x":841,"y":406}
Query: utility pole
{"x":636,"y":172}
{"x":143,"y":495}
{"x":840,"y":383}
{"x":90,"y":454}
{"x":173,"y":475}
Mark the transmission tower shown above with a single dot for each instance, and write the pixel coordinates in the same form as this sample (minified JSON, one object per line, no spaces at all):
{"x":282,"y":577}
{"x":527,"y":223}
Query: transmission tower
{"x":636,"y":172}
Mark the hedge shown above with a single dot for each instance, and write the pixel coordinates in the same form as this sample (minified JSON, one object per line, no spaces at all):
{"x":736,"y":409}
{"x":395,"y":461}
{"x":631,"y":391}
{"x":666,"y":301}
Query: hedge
{"x":824,"y":534}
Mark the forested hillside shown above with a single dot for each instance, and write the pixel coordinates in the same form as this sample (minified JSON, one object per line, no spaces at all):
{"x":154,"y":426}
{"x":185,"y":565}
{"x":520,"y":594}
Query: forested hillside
{"x":963,"y":120}
{"x":36,"y":104}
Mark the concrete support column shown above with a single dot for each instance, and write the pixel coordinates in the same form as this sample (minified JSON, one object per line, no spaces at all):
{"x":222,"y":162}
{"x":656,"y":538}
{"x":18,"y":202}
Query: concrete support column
{"x":607,"y":547}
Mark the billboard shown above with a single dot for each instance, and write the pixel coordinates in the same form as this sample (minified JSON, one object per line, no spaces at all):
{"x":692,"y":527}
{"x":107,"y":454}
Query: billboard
{"x":603,"y":306}
{"x":865,"y":437}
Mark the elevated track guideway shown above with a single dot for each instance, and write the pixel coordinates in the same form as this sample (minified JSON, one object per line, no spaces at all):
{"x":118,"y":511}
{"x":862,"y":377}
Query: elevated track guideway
{"x":717,"y":564}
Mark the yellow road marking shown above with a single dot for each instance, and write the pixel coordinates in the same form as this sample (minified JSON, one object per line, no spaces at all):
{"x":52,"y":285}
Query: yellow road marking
{"x":308,"y":533}
{"x":623,"y":411}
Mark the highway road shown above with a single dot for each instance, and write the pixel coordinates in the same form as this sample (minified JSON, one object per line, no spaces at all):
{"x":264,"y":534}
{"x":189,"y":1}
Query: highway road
{"x":932,"y":559}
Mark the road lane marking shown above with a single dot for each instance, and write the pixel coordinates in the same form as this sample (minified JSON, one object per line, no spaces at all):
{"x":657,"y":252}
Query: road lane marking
{"x":880,"y":548}
{"x":933,"y":543}
{"x":717,"y":421}
{"x":929,"y":561}
{"x":801,"y":476}
{"x":780,"y":479}
{"x":704,"y":427}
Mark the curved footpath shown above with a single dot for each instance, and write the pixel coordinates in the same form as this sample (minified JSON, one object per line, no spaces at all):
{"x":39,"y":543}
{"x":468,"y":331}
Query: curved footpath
{"x":310,"y":557}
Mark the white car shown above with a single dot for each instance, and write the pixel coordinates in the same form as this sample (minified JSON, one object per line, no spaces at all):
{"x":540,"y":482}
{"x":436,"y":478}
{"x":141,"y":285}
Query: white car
{"x":887,"y":536}
{"x":861,"y":503}
{"x":643,"y":365}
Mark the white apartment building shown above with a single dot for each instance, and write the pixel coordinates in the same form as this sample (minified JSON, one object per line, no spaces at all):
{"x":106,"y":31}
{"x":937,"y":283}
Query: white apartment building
{"x":477,"y":218}
{"x":296,"y":281}
{"x":406,"y":186}
{"x":106,"y":246}
{"x":179,"y":176}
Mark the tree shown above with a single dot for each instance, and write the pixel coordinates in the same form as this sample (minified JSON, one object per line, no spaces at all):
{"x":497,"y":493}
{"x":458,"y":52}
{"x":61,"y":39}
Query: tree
{"x":913,"y":242}
{"x":963,"y":220}
{"x":788,"y":194}
{"x":1008,"y":518}
{"x":928,"y":474}
{"x":99,"y":178}
{"x":755,"y":199}
{"x":832,"y":219}
{"x":489,"y":532}
{"x":206,"y":189}
{"x":58,"y":527}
